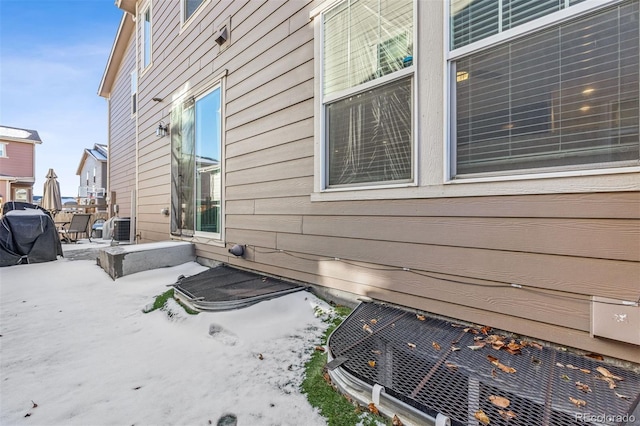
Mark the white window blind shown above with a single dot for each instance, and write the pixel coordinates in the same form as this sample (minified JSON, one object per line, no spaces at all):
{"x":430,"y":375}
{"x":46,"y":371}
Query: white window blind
{"x":365,"y":40}
{"x":368,"y":129}
{"x":473,"y":20}
{"x":564,"y":96}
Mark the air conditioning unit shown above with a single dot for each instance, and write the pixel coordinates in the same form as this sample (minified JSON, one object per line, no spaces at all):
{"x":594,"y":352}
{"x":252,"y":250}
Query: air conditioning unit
{"x":121,"y":228}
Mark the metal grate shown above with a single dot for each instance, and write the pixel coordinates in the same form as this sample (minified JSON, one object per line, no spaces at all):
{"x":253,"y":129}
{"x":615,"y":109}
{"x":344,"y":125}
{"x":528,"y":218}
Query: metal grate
{"x":415,"y":361}
{"x":224,"y":287}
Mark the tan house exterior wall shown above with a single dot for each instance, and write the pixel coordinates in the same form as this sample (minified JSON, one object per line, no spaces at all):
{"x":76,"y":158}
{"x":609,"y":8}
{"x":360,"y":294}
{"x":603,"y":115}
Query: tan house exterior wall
{"x":566,"y":239}
{"x":121,"y":165}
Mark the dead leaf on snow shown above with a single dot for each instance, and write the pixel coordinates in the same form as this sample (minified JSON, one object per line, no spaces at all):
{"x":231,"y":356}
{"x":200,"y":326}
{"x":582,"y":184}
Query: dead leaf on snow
{"x":396,"y":421}
{"x":28,"y":415}
{"x":507,"y":415}
{"x":607,"y":373}
{"x":481,"y":417}
{"x":583,"y":387}
{"x":411,"y":345}
{"x":435,"y":345}
{"x":367,"y":328}
{"x":499,"y":401}
{"x":578,"y":402}
{"x":34,"y":404}
{"x":371,"y":364}
{"x":260,"y":357}
{"x":622,"y":396}
{"x":374,"y":409}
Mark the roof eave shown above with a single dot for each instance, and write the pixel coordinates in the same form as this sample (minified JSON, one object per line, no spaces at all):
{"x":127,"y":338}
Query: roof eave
{"x":128,"y":6}
{"x":118,"y":51}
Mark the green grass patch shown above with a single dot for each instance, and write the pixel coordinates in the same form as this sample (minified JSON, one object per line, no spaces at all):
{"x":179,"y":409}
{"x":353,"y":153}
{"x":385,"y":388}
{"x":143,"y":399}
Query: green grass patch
{"x":160,"y":300}
{"x":334,"y":406}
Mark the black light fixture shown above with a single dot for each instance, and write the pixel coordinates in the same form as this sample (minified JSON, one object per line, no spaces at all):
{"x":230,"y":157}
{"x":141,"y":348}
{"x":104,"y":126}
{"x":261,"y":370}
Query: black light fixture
{"x":162,"y":130}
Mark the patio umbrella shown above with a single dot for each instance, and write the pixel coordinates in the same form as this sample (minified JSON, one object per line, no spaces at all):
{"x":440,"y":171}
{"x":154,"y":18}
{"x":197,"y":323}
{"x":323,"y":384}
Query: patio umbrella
{"x":51,"y":199}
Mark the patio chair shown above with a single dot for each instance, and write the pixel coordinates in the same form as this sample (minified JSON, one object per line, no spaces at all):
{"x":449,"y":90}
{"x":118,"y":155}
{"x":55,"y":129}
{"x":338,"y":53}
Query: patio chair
{"x":79,"y":225}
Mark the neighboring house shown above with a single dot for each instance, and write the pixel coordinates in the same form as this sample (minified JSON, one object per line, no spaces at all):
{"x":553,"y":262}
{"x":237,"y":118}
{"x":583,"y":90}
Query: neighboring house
{"x":463,"y":158}
{"x":17,"y":164}
{"x":93,"y":175}
{"x":118,"y":86}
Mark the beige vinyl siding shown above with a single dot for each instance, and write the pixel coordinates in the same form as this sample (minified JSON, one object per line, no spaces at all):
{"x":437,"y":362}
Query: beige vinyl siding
{"x":122,"y":130}
{"x":564,"y":247}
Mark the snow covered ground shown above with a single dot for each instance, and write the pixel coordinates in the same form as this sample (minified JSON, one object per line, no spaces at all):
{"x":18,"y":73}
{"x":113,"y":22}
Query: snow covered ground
{"x":77,"y":349}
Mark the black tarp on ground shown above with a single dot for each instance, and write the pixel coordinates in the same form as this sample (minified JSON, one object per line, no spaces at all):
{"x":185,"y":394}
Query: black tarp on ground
{"x":28,"y":236}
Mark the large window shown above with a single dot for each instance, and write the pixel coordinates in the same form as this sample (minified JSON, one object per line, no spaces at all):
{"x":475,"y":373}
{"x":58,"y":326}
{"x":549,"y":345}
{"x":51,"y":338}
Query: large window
{"x":189,"y":7}
{"x":368,"y":92}
{"x":561,"y":95}
{"x":146,"y":37}
{"x":196,"y":139}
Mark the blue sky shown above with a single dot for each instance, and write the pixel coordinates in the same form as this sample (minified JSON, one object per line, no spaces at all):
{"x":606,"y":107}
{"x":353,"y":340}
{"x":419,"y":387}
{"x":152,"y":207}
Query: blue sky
{"x":52,"y":57}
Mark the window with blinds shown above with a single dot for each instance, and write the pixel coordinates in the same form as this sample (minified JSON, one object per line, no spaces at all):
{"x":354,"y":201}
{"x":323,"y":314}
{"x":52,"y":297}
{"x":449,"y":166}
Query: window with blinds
{"x":367,"y":91}
{"x":562,"y":96}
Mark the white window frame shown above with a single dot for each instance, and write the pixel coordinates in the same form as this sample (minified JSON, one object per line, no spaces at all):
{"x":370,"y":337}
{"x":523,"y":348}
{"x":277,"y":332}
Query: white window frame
{"x":146,"y":38}
{"x":321,"y":162}
{"x":134,"y":93}
{"x":3,"y":150}
{"x":553,"y":19}
{"x":184,"y":20}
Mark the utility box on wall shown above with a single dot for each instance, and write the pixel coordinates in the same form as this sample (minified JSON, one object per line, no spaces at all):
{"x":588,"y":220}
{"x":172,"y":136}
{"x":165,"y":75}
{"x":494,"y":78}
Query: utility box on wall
{"x":615,"y":319}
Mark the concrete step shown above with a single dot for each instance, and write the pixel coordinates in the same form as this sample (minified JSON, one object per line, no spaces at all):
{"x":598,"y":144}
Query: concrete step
{"x":118,"y":261}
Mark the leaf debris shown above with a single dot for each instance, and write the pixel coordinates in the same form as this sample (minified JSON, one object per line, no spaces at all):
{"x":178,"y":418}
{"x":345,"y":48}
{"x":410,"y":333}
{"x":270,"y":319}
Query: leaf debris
{"x":481,"y":417}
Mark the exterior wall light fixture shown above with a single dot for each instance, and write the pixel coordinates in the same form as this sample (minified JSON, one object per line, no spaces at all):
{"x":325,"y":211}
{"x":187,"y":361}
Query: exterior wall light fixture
{"x":162,"y":130}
